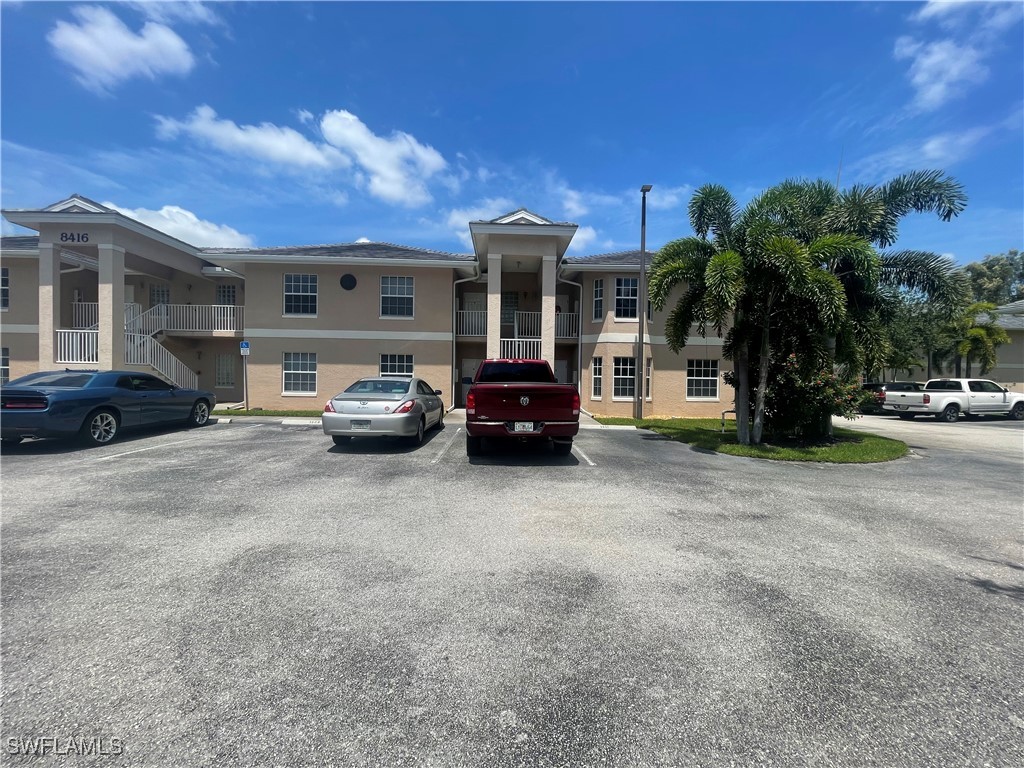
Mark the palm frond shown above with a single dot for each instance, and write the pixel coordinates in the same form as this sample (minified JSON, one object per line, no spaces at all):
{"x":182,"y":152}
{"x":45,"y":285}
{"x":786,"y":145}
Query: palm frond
{"x":678,"y":262}
{"x":713,"y":210}
{"x":921,"y":192}
{"x":937,"y":277}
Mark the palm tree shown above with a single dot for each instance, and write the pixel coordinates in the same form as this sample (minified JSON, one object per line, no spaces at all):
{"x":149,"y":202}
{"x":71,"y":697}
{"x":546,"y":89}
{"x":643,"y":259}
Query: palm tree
{"x":973,"y":335}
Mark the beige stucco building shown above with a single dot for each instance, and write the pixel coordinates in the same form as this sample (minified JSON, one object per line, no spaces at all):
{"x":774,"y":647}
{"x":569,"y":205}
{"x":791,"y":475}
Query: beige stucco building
{"x":96,"y":289}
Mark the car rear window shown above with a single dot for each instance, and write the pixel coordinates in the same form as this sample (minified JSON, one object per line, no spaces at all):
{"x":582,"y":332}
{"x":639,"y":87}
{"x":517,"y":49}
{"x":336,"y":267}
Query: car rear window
{"x":503,"y":373}
{"x":380,"y":386}
{"x":947,"y":386}
{"x":53,"y":379}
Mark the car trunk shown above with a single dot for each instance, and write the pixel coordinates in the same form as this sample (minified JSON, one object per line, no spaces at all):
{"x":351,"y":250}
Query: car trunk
{"x":367,"y":404}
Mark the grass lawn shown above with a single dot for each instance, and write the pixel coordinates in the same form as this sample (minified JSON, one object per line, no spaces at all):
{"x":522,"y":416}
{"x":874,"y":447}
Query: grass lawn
{"x":846,"y":447}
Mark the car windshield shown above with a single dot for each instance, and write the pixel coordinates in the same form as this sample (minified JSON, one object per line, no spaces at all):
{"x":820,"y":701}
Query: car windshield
{"x":380,"y":386}
{"x":53,"y":379}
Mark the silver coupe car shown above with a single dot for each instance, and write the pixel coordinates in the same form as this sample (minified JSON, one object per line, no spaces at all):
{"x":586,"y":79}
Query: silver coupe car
{"x":376,"y":407}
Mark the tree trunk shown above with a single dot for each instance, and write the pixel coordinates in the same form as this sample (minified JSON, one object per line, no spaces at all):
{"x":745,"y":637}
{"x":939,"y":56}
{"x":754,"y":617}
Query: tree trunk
{"x":958,"y":368}
{"x":742,"y":363}
{"x":968,"y":362}
{"x":762,"y":385}
{"x":928,"y":355}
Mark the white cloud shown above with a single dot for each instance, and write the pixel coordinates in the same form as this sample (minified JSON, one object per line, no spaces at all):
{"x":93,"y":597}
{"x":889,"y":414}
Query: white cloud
{"x":282,"y":146}
{"x":397,"y":167}
{"x":667,"y":198}
{"x":583,"y":238}
{"x":169,"y":11}
{"x":941,"y":70}
{"x":103,"y":52}
{"x":185,"y":225}
{"x":572,"y":204}
{"x":485,"y":210}
{"x":938,"y":151}
{"x":364,"y":240}
{"x":305,"y":116}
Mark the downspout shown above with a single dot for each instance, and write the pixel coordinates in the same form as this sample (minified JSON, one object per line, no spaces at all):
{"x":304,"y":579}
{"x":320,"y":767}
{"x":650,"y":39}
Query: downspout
{"x":579,"y":336}
{"x":474,"y":276}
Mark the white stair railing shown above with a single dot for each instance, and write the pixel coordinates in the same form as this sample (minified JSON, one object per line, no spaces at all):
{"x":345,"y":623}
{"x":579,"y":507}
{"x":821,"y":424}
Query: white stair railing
{"x":521,"y":349}
{"x":80,"y":346}
{"x":188,"y":317}
{"x":141,"y":349}
{"x":471,"y":322}
{"x":85,"y":315}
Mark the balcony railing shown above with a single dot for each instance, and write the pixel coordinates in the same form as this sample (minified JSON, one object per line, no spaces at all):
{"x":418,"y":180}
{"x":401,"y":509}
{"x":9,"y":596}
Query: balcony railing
{"x":77,"y":347}
{"x":567,"y":326}
{"x":528,"y":349}
{"x":189,"y":317}
{"x":471,"y":322}
{"x":527,"y":325}
{"x":85,"y":315}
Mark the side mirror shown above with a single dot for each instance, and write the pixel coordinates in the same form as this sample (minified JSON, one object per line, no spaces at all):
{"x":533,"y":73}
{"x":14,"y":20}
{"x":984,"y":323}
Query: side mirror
{"x":467,"y":379}
{"x":437,"y":392}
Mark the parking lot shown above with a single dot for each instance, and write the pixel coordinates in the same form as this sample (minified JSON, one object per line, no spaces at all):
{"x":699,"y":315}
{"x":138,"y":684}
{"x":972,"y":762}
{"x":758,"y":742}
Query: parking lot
{"x":250,"y":594}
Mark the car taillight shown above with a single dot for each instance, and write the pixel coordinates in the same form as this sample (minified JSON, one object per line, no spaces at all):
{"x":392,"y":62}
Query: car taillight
{"x":471,"y":403}
{"x":329,"y":408}
{"x":575,"y":403}
{"x":406,"y":406}
{"x":927,"y":398}
{"x":881,"y":396}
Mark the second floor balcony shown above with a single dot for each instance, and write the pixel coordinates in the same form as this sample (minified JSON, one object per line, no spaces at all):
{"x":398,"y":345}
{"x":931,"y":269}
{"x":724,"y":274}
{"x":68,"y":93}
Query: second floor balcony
{"x":170,"y":318}
{"x":525,"y":325}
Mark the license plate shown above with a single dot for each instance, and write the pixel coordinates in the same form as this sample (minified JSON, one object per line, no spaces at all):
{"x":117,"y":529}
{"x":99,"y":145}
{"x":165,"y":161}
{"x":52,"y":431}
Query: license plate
{"x":360,"y":424}
{"x":524,"y":426}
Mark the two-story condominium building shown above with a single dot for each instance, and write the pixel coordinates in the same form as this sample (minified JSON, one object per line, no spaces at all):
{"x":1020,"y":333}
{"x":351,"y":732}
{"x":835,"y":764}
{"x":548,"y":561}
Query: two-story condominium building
{"x":96,"y":289}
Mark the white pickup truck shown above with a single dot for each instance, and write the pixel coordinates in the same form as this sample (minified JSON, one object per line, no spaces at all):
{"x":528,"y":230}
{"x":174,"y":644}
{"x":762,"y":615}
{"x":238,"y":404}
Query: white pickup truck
{"x":946,"y":399}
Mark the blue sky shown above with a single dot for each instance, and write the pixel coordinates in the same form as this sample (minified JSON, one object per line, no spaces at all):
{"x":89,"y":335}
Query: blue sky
{"x":314,"y":122}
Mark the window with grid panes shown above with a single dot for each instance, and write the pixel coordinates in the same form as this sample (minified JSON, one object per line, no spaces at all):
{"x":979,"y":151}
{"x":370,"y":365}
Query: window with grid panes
{"x":396,"y":296}
{"x":225,"y":370}
{"x":299,"y":294}
{"x":648,"y":367}
{"x":5,"y":288}
{"x":599,"y":299}
{"x":624,"y":377}
{"x":396,"y":365}
{"x":509,"y":306}
{"x":596,"y":378}
{"x":627,"y":291}
{"x":702,"y":379}
{"x":5,"y":365}
{"x":300,"y":372}
{"x":225,"y":295}
{"x":159,"y":294}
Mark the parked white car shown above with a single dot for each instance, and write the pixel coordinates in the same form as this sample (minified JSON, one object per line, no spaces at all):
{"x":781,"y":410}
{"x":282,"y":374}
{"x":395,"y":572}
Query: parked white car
{"x":946,"y":399}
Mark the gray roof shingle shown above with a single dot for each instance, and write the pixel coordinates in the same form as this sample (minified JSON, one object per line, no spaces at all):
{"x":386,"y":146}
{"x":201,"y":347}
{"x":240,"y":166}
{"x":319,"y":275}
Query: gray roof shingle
{"x":343,"y":251}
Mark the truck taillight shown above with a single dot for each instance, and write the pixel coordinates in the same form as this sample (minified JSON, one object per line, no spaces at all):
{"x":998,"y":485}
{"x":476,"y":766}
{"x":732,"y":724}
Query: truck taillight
{"x":329,"y":408}
{"x":575,"y":403}
{"x":927,"y":398}
{"x":406,"y":406}
{"x":471,"y":403}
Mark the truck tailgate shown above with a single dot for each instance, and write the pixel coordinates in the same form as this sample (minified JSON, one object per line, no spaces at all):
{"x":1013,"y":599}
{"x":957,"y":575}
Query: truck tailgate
{"x":534,"y":401}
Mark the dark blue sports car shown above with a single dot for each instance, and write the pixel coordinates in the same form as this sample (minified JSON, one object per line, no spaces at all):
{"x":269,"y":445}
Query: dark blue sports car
{"x":95,"y":406}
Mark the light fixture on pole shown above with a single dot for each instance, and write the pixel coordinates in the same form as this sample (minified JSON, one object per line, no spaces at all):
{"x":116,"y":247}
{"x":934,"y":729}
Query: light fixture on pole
{"x":641,"y":306}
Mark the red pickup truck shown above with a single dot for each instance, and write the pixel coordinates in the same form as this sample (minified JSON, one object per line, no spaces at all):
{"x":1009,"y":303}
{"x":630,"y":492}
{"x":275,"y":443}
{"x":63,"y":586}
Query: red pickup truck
{"x":520,"y":399}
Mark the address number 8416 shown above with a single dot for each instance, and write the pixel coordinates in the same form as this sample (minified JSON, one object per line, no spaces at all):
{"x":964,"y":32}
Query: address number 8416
{"x":74,"y":237}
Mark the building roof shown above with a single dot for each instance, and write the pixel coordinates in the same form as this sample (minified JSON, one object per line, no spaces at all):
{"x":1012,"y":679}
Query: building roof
{"x":341,"y":251}
{"x":523,"y":216}
{"x":1013,"y":308}
{"x":616,"y":259}
{"x":19,"y":242}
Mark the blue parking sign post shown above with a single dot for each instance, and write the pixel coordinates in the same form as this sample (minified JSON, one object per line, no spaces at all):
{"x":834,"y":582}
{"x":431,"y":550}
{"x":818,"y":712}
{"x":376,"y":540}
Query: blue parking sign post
{"x":243,"y":348}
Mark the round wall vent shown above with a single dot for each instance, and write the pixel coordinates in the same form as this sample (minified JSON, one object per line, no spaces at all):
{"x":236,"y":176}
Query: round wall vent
{"x":348,"y":282}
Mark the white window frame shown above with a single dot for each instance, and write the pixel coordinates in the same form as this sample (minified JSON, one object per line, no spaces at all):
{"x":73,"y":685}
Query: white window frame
{"x":309,"y":357}
{"x":399,"y":366}
{"x":5,"y":364}
{"x":598,"y":315}
{"x":648,"y":371}
{"x":620,"y":364}
{"x":312,"y":282}
{"x":706,"y":366}
{"x":597,"y":378}
{"x":384,"y":280}
{"x":5,"y":289}
{"x":224,"y":364}
{"x":621,"y":287}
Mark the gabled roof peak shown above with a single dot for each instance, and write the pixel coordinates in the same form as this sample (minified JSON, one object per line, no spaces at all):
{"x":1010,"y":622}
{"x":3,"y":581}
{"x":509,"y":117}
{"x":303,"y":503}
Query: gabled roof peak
{"x":78,"y":204}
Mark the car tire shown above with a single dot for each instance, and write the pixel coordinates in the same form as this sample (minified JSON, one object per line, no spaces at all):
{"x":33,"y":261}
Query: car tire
{"x":473,"y":445}
{"x":440,"y":419}
{"x":563,"y":449}
{"x":10,"y":440}
{"x":949,"y":414}
{"x":417,"y":439}
{"x":1017,"y":412}
{"x":200,"y":415}
{"x":907,"y":416}
{"x":100,"y":427}
{"x":341,"y":439}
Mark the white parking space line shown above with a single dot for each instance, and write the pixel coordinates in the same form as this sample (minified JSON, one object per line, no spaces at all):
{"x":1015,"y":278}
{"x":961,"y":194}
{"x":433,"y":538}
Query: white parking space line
{"x":446,"y":446}
{"x":140,"y":450}
{"x":582,"y":455}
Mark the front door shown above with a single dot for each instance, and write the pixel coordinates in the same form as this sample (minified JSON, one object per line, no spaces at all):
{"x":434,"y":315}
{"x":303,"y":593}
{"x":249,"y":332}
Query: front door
{"x":562,"y":371}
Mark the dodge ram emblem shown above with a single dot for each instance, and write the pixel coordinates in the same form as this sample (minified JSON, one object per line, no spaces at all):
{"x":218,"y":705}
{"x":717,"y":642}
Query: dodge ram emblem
{"x":524,"y":400}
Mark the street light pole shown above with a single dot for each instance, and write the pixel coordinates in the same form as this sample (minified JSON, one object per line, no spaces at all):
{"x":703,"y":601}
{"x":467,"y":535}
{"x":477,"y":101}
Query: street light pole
{"x":641,"y":309}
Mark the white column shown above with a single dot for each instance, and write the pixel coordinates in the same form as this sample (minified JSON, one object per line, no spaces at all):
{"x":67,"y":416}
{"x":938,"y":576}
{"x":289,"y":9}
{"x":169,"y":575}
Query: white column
{"x":494,"y":305}
{"x":49,"y":303}
{"x":547,"y":310}
{"x":111,"y":309}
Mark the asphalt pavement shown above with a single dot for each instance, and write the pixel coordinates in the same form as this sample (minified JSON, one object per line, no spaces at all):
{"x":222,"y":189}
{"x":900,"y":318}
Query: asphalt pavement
{"x":250,"y":594}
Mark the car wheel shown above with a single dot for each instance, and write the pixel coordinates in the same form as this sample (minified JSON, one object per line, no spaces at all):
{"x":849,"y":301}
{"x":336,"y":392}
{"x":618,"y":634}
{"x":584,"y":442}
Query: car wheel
{"x":341,"y":439}
{"x":473,"y":445}
{"x":417,"y":439}
{"x":1017,"y":412}
{"x":100,"y":428}
{"x":200,"y":415}
{"x":563,"y":449}
{"x":907,"y":416}
{"x":949,"y":414}
{"x":10,"y":440}
{"x":440,"y":419}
